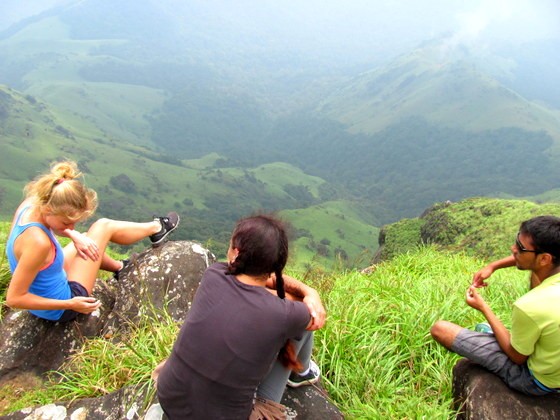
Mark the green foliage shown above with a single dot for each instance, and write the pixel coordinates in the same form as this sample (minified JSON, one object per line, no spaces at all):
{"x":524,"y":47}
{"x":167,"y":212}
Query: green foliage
{"x":209,"y":198}
{"x":339,"y":237}
{"x":377,"y":357}
{"x":126,"y":360}
{"x":481,"y":227}
{"x":124,"y":183}
{"x":5,"y":274}
{"x":400,"y":237}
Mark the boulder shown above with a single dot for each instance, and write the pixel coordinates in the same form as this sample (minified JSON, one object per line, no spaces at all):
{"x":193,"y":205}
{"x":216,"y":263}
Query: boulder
{"x":480,"y":395}
{"x":158,"y":278}
{"x":304,"y":403}
{"x":33,"y":345}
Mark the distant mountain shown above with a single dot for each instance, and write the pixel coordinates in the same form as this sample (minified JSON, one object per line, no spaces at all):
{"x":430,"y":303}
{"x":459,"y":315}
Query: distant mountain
{"x":181,"y":80}
{"x":450,"y":86}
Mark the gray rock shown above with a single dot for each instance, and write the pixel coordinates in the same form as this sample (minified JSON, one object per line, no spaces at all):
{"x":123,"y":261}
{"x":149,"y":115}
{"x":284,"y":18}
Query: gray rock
{"x":30,"y":344}
{"x":164,"y":277}
{"x":310,"y":403}
{"x":481,"y":395}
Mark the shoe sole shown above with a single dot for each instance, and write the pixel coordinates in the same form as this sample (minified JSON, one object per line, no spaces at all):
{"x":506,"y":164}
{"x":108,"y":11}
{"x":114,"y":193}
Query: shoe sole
{"x":154,"y":244}
{"x":303,"y":383}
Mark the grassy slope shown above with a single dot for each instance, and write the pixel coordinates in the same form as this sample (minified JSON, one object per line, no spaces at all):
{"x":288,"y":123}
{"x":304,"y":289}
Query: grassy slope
{"x":339,"y":223}
{"x":481,"y":227}
{"x":449,"y":92}
{"x":377,"y":357}
{"x":55,"y":78}
{"x":376,"y":353}
{"x":36,"y":134}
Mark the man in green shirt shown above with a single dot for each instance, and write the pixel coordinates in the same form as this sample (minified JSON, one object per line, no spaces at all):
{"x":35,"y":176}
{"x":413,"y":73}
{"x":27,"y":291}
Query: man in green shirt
{"x":528,"y":358}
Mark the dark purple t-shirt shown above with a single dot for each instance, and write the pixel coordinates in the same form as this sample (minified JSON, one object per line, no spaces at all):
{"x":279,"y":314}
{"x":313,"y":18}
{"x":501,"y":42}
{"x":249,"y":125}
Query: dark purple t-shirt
{"x":227,"y":344}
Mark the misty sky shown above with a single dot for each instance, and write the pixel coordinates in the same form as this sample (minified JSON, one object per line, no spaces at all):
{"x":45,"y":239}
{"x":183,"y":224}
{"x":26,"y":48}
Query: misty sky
{"x":353,"y":21}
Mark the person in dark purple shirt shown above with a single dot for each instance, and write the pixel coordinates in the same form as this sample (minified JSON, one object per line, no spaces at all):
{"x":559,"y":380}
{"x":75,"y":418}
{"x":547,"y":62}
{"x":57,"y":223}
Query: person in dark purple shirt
{"x":242,"y":338}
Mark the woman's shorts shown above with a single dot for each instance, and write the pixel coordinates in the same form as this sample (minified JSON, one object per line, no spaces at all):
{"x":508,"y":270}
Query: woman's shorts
{"x":76,"y":289}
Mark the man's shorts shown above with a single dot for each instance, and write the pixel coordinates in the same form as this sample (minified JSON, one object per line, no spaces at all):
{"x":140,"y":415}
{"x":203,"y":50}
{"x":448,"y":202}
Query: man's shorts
{"x":483,"y":349}
{"x":76,"y":289}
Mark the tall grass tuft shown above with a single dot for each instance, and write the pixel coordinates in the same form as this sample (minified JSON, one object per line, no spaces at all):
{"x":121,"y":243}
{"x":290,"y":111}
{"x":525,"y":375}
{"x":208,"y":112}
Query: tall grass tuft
{"x":376,"y":353}
{"x":103,"y":366}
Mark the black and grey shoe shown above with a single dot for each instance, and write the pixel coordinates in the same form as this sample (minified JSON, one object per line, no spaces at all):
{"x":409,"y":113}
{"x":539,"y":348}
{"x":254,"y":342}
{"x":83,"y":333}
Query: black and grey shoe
{"x":168,"y":224}
{"x":117,"y":274}
{"x":314,"y":373}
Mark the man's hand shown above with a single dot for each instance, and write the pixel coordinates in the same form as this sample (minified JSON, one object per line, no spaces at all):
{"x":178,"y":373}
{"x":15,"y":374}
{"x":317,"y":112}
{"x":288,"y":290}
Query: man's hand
{"x":474,"y":300}
{"x":86,"y":247}
{"x":481,"y":275}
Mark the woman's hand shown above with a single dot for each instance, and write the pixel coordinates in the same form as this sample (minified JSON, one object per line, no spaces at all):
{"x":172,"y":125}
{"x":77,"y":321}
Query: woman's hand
{"x":316,"y":309}
{"x":84,"y":305}
{"x":86,"y":247}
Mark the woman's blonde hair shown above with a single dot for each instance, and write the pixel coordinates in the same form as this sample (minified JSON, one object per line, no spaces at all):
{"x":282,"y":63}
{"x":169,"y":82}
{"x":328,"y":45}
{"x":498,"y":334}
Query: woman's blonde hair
{"x":61,"y":193}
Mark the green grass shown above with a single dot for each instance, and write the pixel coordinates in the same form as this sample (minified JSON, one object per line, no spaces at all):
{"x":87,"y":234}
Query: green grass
{"x":5,"y":274}
{"x":481,"y":227}
{"x":376,"y":354}
{"x":127,"y":360}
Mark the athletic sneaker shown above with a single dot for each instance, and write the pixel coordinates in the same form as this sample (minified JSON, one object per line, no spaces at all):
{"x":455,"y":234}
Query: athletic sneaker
{"x":296,"y":380}
{"x":117,"y":274}
{"x":483,"y":327}
{"x":168,"y":224}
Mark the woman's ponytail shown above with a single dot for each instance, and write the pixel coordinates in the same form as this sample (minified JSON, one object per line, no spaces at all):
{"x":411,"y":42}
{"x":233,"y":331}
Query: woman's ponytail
{"x":280,"y":284}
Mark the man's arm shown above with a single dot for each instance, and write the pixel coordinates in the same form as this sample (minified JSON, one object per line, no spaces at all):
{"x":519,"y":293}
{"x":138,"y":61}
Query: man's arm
{"x":484,"y":273}
{"x":503,"y":337}
{"x":307,"y":295}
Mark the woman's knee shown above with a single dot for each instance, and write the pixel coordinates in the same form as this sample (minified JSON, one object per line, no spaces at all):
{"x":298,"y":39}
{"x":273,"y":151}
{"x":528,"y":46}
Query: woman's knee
{"x":102,"y":223}
{"x":100,"y":226}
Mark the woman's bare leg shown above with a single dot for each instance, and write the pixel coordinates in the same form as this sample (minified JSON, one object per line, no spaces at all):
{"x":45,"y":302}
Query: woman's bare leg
{"x":107,"y":263}
{"x":102,"y":232}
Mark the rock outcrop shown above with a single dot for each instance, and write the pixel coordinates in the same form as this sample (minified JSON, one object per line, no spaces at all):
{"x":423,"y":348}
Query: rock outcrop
{"x":161,"y":278}
{"x":480,"y":395}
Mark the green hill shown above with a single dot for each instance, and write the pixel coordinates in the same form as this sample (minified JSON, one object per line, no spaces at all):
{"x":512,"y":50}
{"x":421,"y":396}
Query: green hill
{"x":438,"y":123}
{"x":445,"y":86}
{"x":481,"y":227}
{"x":135,"y":182}
{"x":330,"y":231}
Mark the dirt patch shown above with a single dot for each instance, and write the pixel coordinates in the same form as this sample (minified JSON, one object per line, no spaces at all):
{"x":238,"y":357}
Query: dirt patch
{"x":12,"y":390}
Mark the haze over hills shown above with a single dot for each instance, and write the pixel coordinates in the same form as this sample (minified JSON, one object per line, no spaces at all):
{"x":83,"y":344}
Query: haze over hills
{"x":135,"y":182}
{"x":217,"y":96}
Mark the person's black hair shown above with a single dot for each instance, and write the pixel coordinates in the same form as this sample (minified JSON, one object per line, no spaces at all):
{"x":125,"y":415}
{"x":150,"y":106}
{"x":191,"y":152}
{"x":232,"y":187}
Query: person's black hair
{"x":262,"y":245}
{"x":545,"y":235}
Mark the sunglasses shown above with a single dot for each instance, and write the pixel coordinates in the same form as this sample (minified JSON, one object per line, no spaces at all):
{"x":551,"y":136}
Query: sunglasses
{"x":521,"y":248}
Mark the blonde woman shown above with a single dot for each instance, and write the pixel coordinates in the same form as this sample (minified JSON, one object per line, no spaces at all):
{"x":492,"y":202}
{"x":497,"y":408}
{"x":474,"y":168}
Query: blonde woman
{"x":56,"y":283}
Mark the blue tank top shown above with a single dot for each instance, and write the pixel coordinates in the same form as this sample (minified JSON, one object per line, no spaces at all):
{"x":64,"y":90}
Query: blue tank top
{"x":51,"y":281}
